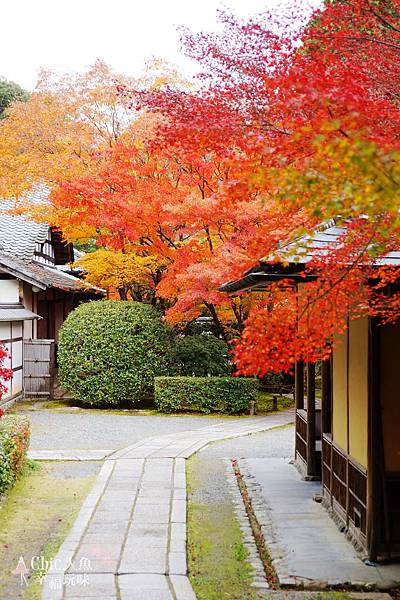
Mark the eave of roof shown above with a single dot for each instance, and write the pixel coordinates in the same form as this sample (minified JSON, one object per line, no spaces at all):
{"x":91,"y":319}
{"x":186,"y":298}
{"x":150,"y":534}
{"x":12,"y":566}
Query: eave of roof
{"x":16,"y":312}
{"x":17,"y":268}
{"x":258,"y":278}
{"x":44,"y":276}
{"x":54,"y":277}
{"x":293,"y":258}
{"x":18,"y":239}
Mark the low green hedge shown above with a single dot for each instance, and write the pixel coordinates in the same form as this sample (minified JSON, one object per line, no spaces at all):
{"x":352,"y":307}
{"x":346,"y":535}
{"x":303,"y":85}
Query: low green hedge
{"x":205,"y":394}
{"x":14,"y":443}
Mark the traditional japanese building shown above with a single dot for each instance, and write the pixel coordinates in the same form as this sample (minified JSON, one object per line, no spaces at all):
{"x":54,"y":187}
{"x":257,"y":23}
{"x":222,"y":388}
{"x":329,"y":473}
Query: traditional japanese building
{"x":349,"y":437}
{"x":38,"y":289}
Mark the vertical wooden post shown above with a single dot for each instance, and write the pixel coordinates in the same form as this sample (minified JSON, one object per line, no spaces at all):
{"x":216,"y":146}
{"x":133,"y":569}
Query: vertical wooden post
{"x":326,"y":417}
{"x":374,"y":500}
{"x":326,"y":404}
{"x":299,"y":385}
{"x":311,"y":437}
{"x":349,"y":335}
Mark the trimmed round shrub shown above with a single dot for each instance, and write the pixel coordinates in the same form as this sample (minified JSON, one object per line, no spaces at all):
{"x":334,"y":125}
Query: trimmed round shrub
{"x":110,"y":351}
{"x":205,"y":394}
{"x":201,"y":355}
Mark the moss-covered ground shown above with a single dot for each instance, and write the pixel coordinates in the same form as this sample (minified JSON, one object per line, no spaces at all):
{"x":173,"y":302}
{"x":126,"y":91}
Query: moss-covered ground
{"x":217,"y":558}
{"x":35,"y":516}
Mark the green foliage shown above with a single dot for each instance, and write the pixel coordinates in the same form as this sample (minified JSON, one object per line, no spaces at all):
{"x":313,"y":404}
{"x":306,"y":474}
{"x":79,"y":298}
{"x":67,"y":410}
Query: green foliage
{"x":205,"y":394}
{"x":110,"y":351}
{"x":87,"y":246}
{"x":9,"y":92}
{"x":14,"y":443}
{"x":201,"y":355}
{"x":277,"y":382}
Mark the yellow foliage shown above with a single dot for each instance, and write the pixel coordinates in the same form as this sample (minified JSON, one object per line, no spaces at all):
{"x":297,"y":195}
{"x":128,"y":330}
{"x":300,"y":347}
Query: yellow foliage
{"x":69,"y":123}
{"x":118,"y":271}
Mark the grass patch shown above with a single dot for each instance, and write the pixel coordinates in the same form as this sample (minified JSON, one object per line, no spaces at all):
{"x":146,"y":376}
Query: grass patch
{"x":34,"y":519}
{"x":217,"y":558}
{"x":265,"y":403}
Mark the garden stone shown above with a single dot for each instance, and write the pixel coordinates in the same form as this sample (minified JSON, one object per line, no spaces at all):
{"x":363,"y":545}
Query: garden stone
{"x":145,"y":559}
{"x":99,"y":584}
{"x":177,"y":563}
{"x":183,"y":589}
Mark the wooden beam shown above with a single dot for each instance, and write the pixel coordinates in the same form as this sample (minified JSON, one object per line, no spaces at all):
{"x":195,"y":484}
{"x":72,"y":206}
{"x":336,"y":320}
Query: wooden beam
{"x":311,"y":435}
{"x":299,"y":385}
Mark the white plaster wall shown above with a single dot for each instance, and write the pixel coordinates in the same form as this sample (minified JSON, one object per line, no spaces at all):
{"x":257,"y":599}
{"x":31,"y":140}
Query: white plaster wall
{"x":9,"y":291}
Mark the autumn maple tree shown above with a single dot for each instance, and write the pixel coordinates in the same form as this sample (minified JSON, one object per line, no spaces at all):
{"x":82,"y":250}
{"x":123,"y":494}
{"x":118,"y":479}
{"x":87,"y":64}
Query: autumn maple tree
{"x":5,"y":372}
{"x":293,"y":121}
{"x":68,"y":124}
{"x":290,"y":127}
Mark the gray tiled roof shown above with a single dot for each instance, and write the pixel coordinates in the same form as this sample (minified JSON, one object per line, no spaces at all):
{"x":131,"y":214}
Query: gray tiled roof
{"x":319,"y":243}
{"x":43,"y":276}
{"x":20,"y":269}
{"x":54,"y":277}
{"x":18,"y":235}
{"x":18,"y":239}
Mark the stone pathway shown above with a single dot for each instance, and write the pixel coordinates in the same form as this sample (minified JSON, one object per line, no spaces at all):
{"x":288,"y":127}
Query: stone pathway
{"x":306,"y":547}
{"x":69,"y":455}
{"x":129,"y":540}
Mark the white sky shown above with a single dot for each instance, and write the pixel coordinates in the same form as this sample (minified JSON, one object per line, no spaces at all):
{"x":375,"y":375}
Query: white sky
{"x":69,"y":35}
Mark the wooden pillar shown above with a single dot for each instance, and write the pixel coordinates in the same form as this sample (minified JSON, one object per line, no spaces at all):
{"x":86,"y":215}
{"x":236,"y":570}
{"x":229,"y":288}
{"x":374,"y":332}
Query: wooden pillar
{"x":374,"y":475}
{"x":299,"y":385}
{"x":311,"y":437}
{"x":326,"y":404}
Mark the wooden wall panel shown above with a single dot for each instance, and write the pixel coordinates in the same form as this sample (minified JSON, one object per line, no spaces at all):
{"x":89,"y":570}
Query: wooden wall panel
{"x":358,"y":391}
{"x":339,"y":395}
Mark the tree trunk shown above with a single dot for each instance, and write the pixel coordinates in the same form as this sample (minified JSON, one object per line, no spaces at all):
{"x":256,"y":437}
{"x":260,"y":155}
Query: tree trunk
{"x":218,"y":325}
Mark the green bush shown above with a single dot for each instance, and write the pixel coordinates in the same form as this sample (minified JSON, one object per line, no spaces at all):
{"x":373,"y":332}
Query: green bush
{"x":110,"y":351}
{"x":201,"y":355}
{"x":14,"y":443}
{"x":205,"y":394}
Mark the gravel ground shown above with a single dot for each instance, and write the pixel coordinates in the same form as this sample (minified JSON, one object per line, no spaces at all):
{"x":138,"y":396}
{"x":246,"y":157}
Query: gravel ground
{"x":72,"y":469}
{"x":53,"y":430}
{"x":211,"y":484}
{"x":208,"y":476}
{"x":276,"y":443}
